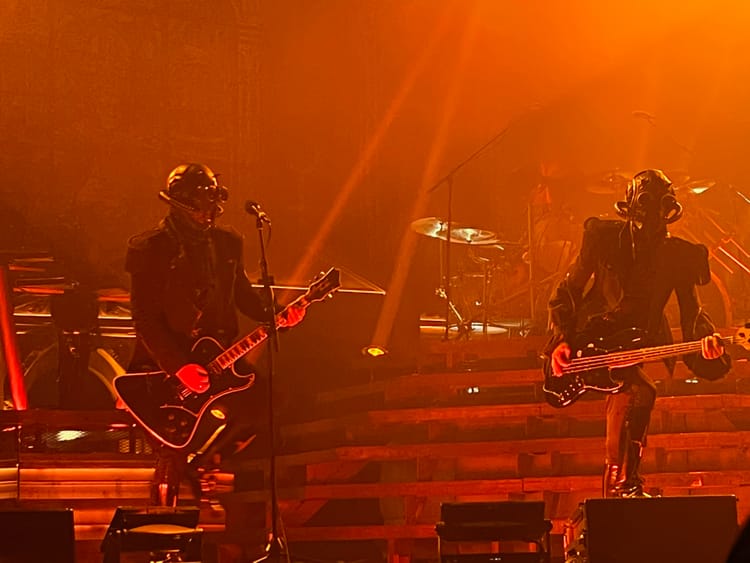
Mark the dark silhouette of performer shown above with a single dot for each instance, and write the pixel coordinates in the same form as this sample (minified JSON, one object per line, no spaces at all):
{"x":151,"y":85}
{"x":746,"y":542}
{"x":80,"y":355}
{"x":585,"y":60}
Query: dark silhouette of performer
{"x":624,"y":274}
{"x":188,"y":281}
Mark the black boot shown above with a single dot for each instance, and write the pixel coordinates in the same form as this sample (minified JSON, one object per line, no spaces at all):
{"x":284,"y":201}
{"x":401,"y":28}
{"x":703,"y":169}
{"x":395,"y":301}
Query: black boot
{"x":632,"y":482}
{"x":168,"y":473}
{"x":164,"y":494}
{"x":612,"y":481}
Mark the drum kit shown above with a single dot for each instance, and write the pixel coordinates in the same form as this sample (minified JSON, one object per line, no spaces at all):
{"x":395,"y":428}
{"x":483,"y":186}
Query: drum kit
{"x":491,"y":289}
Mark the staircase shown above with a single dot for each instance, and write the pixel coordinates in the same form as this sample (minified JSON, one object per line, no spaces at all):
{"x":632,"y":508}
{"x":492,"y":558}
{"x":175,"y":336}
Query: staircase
{"x":362,"y":470}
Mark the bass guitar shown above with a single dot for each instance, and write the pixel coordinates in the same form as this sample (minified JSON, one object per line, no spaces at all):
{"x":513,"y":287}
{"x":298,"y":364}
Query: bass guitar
{"x":595,"y":363}
{"x":185,"y":420}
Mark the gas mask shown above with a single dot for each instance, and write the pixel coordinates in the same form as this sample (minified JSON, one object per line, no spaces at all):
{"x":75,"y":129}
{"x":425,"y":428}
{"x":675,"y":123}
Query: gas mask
{"x":192,"y":190}
{"x":650,"y":202}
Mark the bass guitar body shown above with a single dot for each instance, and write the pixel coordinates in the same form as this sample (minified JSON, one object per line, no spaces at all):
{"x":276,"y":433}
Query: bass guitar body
{"x":596,"y":361}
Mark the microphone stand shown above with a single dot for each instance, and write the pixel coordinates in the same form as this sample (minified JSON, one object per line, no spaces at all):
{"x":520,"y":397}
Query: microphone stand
{"x":275,"y":549}
{"x":448,"y":179}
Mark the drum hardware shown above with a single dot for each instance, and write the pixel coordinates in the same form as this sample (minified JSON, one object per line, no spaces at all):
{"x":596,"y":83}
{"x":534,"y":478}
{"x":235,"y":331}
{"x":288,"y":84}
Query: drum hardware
{"x":705,"y":223}
{"x":474,"y":239}
{"x":723,"y":247}
{"x":487,"y":265}
{"x":447,"y":180}
{"x":463,"y":327}
{"x":551,"y":244}
{"x":490,"y":308}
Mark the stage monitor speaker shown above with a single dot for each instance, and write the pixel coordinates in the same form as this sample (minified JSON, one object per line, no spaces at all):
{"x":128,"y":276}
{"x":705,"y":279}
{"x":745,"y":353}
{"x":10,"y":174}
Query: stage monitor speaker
{"x":492,"y":520}
{"x":134,"y":531}
{"x":507,"y":522}
{"x":37,"y":535}
{"x":690,"y":529}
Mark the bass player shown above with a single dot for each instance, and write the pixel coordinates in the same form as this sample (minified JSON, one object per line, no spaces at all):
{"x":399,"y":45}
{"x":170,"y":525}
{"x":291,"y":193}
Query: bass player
{"x":622,"y":278}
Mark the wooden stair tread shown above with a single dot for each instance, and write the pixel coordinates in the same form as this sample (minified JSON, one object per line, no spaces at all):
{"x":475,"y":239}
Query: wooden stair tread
{"x":437,"y":450}
{"x":483,"y":487}
{"x":581,"y":410}
{"x":449,"y":381}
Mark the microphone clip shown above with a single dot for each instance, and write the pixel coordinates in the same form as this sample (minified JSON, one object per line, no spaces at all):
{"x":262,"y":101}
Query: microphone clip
{"x":253,"y":208}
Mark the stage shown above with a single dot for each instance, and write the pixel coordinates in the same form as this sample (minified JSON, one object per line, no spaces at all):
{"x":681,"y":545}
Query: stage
{"x":364,"y":469}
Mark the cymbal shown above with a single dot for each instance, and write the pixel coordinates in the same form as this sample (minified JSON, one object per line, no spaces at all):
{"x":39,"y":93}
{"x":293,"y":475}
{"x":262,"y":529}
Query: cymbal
{"x":695,"y":187}
{"x":437,"y":228}
{"x":609,"y":182}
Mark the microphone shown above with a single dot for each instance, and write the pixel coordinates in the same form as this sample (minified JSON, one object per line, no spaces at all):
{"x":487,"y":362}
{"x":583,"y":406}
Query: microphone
{"x":640,"y":114}
{"x":253,"y":208}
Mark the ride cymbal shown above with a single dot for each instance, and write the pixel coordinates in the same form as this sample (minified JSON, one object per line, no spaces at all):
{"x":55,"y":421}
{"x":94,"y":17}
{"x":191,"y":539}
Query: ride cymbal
{"x":609,"y":182}
{"x":437,"y":228}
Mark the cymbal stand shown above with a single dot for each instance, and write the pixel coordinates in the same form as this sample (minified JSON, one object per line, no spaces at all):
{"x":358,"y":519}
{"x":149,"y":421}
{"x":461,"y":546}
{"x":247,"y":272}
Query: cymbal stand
{"x":532,"y":259}
{"x":448,"y":179}
{"x":486,"y":281}
{"x":447,"y":280}
{"x":463,"y":327}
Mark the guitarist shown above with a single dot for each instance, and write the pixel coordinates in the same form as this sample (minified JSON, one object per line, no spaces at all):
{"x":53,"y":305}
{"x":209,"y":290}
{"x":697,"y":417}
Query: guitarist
{"x":188,"y":281}
{"x":623,"y":276}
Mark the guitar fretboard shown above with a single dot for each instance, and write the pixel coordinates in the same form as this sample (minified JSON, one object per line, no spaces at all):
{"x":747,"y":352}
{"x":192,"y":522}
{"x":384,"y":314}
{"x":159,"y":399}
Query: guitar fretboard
{"x":637,"y":356}
{"x":250,"y":342}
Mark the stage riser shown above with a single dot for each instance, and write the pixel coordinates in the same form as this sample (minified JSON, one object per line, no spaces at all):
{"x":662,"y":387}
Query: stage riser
{"x":391,"y":465}
{"x":411,"y":443}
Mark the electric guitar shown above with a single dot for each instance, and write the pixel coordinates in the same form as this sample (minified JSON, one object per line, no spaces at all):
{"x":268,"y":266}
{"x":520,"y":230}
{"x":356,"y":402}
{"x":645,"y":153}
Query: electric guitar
{"x":188,"y":421}
{"x":594,"y":363}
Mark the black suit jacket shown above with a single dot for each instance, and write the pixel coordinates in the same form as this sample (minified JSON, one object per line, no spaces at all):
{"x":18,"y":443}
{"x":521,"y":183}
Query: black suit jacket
{"x":631,"y":287}
{"x":174,"y":304}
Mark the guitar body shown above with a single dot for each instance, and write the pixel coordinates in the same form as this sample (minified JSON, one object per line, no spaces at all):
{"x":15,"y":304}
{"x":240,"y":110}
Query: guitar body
{"x":565,"y":390}
{"x":170,"y":412}
{"x":187,"y":421}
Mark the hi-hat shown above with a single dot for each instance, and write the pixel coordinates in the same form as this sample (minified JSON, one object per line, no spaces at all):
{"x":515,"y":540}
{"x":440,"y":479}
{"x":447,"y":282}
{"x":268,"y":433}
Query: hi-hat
{"x":437,"y":228}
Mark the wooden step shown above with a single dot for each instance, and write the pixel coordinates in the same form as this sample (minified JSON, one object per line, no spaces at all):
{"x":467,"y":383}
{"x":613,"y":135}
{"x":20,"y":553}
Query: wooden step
{"x":467,"y":487}
{"x":432,"y":386}
{"x":400,"y":452}
{"x":351,"y":428}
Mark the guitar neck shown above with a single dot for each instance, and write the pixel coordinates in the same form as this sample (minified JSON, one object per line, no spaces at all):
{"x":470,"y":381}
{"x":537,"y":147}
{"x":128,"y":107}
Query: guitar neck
{"x":637,"y":356}
{"x":252,"y":340}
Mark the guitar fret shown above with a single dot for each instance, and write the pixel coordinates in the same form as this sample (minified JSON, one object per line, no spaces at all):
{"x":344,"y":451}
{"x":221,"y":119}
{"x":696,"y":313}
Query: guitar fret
{"x":239,"y":349}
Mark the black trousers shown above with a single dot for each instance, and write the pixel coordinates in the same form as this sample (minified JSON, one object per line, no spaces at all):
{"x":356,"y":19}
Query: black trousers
{"x":628,"y":413}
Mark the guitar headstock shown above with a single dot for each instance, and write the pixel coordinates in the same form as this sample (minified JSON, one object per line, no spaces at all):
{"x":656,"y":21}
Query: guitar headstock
{"x":324,"y":285}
